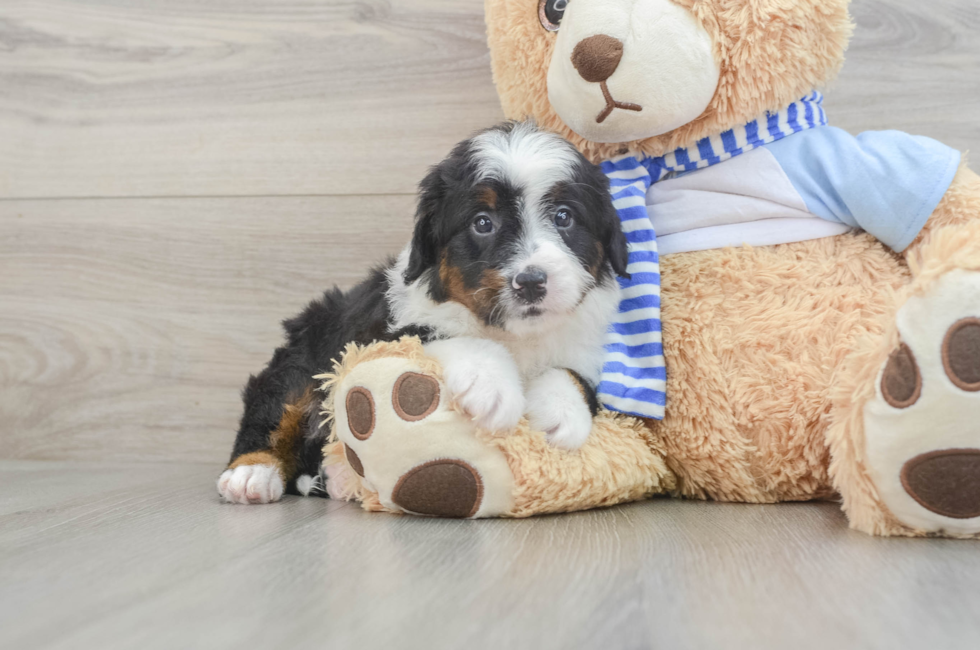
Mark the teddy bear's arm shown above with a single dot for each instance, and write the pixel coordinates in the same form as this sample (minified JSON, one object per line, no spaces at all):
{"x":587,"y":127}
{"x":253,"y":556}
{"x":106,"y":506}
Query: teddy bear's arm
{"x":886,"y":183}
{"x":959,"y":208}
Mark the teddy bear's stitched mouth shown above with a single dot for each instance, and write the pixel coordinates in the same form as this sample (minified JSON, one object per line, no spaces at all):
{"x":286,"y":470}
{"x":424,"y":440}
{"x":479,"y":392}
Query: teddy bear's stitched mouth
{"x":612,"y":104}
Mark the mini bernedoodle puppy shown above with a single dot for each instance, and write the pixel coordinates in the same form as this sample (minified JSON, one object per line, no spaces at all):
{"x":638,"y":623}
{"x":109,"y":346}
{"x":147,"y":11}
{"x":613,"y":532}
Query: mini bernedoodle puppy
{"x":510,"y":282}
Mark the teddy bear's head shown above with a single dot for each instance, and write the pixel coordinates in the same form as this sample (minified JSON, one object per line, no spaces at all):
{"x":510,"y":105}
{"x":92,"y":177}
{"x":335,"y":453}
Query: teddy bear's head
{"x":648,"y":76}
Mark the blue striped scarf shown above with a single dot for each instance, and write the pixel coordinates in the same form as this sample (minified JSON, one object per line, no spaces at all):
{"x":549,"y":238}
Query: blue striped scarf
{"x":634,"y":376}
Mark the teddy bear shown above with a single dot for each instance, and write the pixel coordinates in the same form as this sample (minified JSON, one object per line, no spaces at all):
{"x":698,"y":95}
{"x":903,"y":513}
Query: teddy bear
{"x":819,"y":305}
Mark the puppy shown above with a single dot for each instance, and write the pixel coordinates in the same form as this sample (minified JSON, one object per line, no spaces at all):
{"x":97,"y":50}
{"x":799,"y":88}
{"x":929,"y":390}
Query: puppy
{"x":509,"y":280}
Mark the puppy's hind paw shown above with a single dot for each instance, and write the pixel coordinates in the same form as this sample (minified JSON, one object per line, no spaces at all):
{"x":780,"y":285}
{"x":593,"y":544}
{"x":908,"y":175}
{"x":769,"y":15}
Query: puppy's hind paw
{"x":249,"y":484}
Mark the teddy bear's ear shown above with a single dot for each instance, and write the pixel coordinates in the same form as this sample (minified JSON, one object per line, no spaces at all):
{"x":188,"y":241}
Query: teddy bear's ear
{"x":425,"y":248}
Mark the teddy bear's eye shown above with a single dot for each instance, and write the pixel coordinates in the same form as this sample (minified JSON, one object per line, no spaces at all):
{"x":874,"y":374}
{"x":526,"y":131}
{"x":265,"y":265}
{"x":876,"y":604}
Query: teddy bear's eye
{"x":550,"y":13}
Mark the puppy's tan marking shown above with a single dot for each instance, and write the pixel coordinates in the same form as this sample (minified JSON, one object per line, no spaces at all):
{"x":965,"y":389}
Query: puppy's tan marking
{"x":283,"y":442}
{"x":255,"y":458}
{"x":488,"y":197}
{"x":600,"y":255}
{"x":481,"y":299}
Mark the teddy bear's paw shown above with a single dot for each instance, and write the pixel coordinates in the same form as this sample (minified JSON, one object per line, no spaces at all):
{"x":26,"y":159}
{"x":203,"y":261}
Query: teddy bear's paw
{"x":556,"y":405}
{"x":922,"y":429}
{"x":403,"y":439}
{"x":483,"y":379}
{"x":251,"y":484}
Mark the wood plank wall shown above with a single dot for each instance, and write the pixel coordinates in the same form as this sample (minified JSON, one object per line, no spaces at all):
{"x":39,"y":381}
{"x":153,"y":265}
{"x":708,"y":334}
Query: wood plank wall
{"x":177,"y":177}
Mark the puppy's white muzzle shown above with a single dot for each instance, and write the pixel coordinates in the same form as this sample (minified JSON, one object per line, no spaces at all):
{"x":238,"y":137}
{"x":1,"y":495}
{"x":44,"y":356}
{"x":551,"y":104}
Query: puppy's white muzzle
{"x":554,"y":282}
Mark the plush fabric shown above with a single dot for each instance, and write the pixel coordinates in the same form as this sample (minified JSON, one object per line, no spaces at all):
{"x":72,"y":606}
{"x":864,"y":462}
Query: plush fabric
{"x":770,"y":52}
{"x":633,"y":372}
{"x":610,"y":82}
{"x":833,"y":368}
{"x":620,"y":462}
{"x":950,"y":242}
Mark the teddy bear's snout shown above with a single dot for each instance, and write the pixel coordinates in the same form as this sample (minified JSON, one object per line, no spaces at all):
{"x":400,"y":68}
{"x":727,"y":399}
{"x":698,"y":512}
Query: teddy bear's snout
{"x":597,"y":57}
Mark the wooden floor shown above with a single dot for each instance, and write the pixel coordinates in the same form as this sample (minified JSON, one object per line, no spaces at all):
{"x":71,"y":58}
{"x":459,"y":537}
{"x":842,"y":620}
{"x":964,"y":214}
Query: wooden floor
{"x":106,"y":556}
{"x":176,"y":177}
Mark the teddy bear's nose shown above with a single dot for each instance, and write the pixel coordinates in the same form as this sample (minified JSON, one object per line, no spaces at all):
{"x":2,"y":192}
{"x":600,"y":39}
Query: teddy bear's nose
{"x":597,"y":57}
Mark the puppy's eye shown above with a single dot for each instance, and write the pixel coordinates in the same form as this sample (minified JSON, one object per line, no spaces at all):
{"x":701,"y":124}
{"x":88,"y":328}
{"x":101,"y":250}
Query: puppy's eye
{"x":550,"y":13}
{"x":563,"y":218}
{"x":482,"y":224}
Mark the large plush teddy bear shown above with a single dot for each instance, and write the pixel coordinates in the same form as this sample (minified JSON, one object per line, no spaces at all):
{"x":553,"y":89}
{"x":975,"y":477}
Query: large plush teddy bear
{"x":820,"y":292}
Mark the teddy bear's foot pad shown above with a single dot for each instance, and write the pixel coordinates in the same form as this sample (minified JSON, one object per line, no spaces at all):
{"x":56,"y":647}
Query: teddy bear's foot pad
{"x":946,"y":482}
{"x":923,"y":426}
{"x":442,"y":488}
{"x":405,"y":440}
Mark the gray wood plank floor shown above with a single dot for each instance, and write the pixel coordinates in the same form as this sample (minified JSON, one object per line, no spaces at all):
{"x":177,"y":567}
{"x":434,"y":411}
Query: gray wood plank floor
{"x":177,"y":177}
{"x":146,"y":557}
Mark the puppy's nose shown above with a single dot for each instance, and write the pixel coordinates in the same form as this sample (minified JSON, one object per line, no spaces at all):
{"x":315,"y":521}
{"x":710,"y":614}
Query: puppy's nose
{"x":530,"y":284}
{"x":597,"y":57}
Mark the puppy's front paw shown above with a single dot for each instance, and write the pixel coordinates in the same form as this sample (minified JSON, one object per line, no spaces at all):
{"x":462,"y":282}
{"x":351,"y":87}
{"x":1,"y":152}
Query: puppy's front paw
{"x":483,"y":379}
{"x":557,"y":407}
{"x":251,"y":484}
{"x":495,"y":404}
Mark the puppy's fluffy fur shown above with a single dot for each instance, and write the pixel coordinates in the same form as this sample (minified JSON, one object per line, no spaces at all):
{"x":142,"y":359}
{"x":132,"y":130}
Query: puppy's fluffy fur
{"x":510,"y":281}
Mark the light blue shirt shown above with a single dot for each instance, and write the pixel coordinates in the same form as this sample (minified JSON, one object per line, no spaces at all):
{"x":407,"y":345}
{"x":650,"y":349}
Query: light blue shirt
{"x":886,"y":183}
{"x":785,"y":177}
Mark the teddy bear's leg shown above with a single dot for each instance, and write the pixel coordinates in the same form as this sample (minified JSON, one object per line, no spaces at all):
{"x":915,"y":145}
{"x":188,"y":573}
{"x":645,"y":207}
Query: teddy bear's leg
{"x":400,"y":443}
{"x":905,"y":440}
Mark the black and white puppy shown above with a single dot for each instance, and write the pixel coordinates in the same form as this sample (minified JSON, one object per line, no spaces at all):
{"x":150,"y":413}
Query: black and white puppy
{"x":510,"y":281}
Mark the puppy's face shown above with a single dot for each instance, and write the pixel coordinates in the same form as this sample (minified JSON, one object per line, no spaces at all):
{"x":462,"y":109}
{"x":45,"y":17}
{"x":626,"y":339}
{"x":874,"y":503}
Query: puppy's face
{"x":516,"y":226}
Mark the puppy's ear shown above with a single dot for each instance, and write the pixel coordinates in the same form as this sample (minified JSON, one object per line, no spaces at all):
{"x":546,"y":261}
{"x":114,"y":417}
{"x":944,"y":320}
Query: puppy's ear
{"x":613,"y":239}
{"x":617,"y":249}
{"x":425,"y":248}
{"x":609,"y":227}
